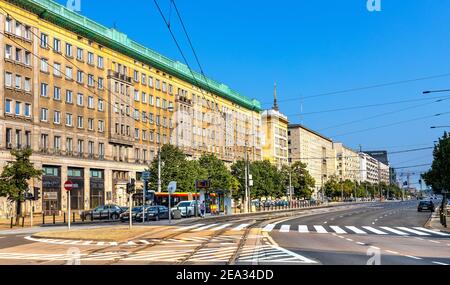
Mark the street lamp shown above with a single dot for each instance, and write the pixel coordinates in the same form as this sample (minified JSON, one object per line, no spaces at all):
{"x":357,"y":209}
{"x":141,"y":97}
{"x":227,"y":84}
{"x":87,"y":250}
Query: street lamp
{"x":435,"y":91}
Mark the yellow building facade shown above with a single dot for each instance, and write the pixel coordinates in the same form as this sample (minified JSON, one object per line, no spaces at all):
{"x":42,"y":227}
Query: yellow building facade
{"x":95,"y":106}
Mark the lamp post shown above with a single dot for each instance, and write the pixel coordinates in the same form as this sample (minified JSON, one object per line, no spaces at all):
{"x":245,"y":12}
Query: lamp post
{"x":435,"y":91}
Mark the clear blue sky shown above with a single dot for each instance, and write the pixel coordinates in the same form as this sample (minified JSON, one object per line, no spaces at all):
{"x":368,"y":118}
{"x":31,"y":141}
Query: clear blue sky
{"x":311,"y":47}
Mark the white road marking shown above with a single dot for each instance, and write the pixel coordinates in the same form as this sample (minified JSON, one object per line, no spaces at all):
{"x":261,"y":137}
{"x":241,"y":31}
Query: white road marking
{"x":349,"y":239}
{"x":204,"y":228}
{"x":269,"y":228}
{"x":338,"y":230}
{"x":303,"y":229}
{"x":439,"y":263}
{"x":144,"y":241}
{"x":374,"y":230}
{"x":397,"y":232}
{"x":433,"y":241}
{"x":285,"y":228}
{"x":101,"y":243}
{"x":413,"y":231}
{"x":374,"y":247}
{"x":320,"y":230}
{"x":413,"y":257}
{"x":241,"y":227}
{"x":391,"y":251}
{"x":131,"y":243}
{"x":433,"y":232}
{"x":189,"y":227}
{"x":356,"y":230}
{"x":113,"y":243}
{"x":361,"y":243}
{"x":221,"y":227}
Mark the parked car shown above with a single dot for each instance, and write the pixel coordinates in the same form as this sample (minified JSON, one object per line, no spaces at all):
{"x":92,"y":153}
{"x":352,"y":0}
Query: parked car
{"x":154,"y":213}
{"x":187,"y":208}
{"x":426,"y":205}
{"x":125,"y":216}
{"x":105,"y":212}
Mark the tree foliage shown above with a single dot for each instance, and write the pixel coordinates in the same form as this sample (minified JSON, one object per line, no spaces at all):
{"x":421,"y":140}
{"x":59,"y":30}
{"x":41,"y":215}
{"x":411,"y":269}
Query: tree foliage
{"x":439,"y":175}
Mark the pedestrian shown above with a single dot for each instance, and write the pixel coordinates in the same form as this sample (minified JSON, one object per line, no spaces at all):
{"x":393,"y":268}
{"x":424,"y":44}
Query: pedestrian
{"x":202,"y":209}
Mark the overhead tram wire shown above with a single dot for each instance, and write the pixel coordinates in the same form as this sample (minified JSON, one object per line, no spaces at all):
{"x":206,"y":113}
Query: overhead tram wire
{"x":74,"y":65}
{"x":383,"y":114}
{"x":368,"y":106}
{"x":393,"y":83}
{"x":390,"y":125}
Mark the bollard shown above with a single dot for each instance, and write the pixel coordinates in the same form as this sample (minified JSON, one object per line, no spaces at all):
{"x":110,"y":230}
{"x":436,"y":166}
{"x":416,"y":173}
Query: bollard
{"x":54,"y":218}
{"x":12,"y":222}
{"x":43,"y":218}
{"x":73,"y":217}
{"x":64,"y":217}
{"x":23,"y":221}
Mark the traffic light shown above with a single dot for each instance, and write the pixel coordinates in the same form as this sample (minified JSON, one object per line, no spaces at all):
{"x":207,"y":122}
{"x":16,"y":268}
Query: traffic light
{"x":37,"y":193}
{"x":28,"y":196}
{"x":131,"y":187}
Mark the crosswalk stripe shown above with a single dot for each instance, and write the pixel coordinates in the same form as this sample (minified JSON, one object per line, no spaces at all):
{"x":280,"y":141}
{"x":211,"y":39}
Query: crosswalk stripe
{"x":131,"y":243}
{"x":241,"y":227}
{"x":204,"y":228}
{"x":144,"y":242}
{"x":189,"y":227}
{"x":374,"y":230}
{"x":413,"y":231}
{"x":303,"y":229}
{"x":221,"y":227}
{"x":338,"y":230}
{"x":269,"y":228}
{"x":285,"y":228}
{"x":433,"y":232}
{"x":397,"y":232}
{"x":320,"y":230}
{"x":356,"y":230}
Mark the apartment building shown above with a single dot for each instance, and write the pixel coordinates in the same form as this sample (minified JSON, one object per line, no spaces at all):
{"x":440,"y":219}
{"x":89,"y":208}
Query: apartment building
{"x":316,"y":151}
{"x":347,"y":163}
{"x":372,"y":170}
{"x":275,"y":135}
{"x":95,"y":106}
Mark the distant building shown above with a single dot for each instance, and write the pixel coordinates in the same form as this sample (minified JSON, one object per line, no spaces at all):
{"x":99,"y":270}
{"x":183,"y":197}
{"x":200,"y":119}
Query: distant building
{"x":380,"y":155}
{"x":275,"y":131}
{"x":315,"y":150}
{"x":348,"y":166}
{"x":372,"y":170}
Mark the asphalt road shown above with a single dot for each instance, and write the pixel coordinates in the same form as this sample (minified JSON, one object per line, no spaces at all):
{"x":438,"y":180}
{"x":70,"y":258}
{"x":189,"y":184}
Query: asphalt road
{"x":395,"y":236}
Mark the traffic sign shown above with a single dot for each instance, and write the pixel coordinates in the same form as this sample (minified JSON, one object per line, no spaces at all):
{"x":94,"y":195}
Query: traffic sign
{"x":69,"y":186}
{"x":145,"y":176}
{"x":172,"y":187}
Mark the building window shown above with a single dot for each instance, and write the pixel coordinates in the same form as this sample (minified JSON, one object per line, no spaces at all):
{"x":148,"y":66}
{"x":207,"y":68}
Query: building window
{"x":27,"y":85}
{"x":80,"y":146}
{"x":90,"y":58}
{"x":68,"y":50}
{"x":100,"y":83}
{"x":69,"y":145}
{"x":44,"y":142}
{"x":91,"y":102}
{"x":80,"y":76}
{"x":57,"y":117}
{"x":56,"y":45}
{"x":18,"y":108}
{"x":18,"y":82}
{"x":164,"y":87}
{"x":136,"y":76}
{"x":57,"y":143}
{"x":18,"y":29}
{"x":57,"y":69}
{"x":90,"y":124}
{"x":91,"y":80}
{"x":80,"y":99}
{"x":57,"y":93}
{"x":44,"y":89}
{"x":27,"y":110}
{"x":69,"y":121}
{"x":158,"y":102}
{"x":8,"y":52}
{"x":100,"y":62}
{"x":44,"y":114}
{"x":150,"y":81}
{"x":8,"y":138}
{"x":91,"y":148}
{"x":18,"y":55}
{"x":8,"y":79}
{"x":136,"y":95}
{"x":80,"y":55}
{"x":144,"y":97}
{"x":158,"y":84}
{"x":27,"y":58}
{"x":136,"y":133}
{"x":100,"y":105}
{"x":69,"y":73}
{"x":44,"y":65}
{"x":28,"y":139}
{"x":144,"y":79}
{"x":101,"y":126}
{"x":44,"y":40}
{"x":69,"y":97}
{"x":80,"y":122}
{"x":8,"y":25}
{"x":8,"y":103}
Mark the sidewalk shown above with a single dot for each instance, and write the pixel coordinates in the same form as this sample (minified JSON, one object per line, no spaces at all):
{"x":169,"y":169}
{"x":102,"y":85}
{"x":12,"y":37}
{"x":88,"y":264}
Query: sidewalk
{"x":435,"y":223}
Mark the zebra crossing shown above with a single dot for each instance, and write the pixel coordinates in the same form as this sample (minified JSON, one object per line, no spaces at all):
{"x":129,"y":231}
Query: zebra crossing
{"x":324,"y":229}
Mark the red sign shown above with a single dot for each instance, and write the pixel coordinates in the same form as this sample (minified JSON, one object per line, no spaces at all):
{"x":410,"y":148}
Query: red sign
{"x":69,"y":185}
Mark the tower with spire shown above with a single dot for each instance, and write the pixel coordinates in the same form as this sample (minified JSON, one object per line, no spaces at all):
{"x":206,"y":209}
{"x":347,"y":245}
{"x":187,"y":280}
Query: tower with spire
{"x":275,"y":103}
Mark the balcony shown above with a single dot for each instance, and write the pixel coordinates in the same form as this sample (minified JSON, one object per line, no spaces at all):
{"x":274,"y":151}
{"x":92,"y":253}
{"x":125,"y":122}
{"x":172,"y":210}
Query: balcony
{"x":118,"y":76}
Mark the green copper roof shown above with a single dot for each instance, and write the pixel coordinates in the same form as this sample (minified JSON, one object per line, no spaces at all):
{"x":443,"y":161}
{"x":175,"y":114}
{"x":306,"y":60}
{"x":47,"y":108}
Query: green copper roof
{"x":61,"y":16}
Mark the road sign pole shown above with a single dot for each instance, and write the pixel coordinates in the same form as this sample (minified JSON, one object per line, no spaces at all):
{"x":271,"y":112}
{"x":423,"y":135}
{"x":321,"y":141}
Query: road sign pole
{"x":69,"y":210}
{"x":144,"y":191}
{"x":170,"y":212}
{"x":130,"y":203}
{"x":31,"y":217}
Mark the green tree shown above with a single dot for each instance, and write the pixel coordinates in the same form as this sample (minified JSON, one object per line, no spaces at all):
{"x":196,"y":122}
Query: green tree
{"x":238,"y":172}
{"x":217,"y":172}
{"x":332,"y":188}
{"x":302,"y":182}
{"x":267,"y":180}
{"x":16,"y":176}
{"x":439,"y":175}
{"x":175,"y":167}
